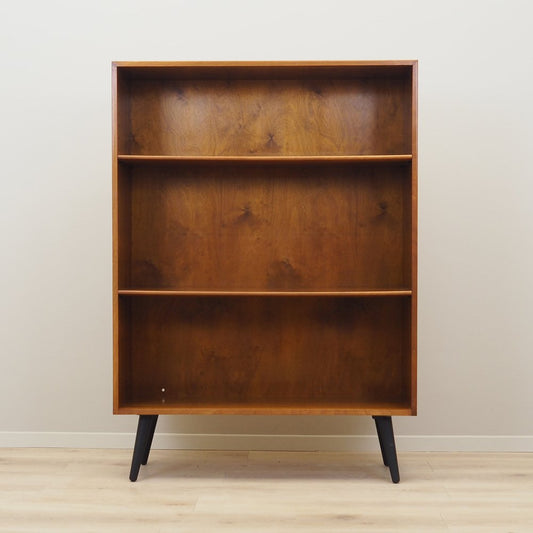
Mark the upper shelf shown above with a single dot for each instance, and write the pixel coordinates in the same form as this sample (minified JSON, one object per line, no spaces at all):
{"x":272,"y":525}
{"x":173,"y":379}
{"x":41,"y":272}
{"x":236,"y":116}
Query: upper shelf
{"x":377,"y":158}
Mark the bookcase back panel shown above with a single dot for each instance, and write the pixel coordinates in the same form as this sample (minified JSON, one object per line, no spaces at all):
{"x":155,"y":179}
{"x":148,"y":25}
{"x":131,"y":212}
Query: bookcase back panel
{"x":266,"y":350}
{"x":277,"y":227}
{"x":366,"y":115}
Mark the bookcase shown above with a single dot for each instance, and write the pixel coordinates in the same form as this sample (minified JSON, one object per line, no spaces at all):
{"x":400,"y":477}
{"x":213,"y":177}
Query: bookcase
{"x":264,"y":241}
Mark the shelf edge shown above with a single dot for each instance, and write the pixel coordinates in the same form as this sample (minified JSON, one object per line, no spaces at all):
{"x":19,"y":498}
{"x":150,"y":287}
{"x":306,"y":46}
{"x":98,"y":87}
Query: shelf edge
{"x":132,"y":409}
{"x":375,"y":158}
{"x":151,"y":292}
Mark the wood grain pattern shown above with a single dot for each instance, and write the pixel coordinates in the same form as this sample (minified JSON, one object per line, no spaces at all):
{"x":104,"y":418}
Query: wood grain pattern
{"x":272,"y":192}
{"x":216,"y":350}
{"x":269,"y":117}
{"x":268,"y":228}
{"x":122,"y":111}
{"x":64,"y":490}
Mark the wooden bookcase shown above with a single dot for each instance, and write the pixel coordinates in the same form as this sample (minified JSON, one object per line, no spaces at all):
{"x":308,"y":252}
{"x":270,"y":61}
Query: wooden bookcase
{"x":264,"y":230}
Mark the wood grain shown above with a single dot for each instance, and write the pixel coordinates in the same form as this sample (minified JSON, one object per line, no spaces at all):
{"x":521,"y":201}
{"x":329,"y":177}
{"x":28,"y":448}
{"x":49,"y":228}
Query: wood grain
{"x":267,"y":351}
{"x":273,"y":192}
{"x":56,"y":490}
{"x":269,"y":117}
{"x":268,"y":228}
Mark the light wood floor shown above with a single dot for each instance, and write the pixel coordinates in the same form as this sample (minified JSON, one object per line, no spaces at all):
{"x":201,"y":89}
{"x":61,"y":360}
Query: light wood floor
{"x":88,"y":490}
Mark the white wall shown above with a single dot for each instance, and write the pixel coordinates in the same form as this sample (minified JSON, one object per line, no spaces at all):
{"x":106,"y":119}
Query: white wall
{"x":476,"y":220}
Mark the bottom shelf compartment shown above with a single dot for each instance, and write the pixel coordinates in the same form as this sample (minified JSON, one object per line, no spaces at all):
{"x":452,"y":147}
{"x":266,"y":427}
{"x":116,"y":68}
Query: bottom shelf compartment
{"x":264,"y":355}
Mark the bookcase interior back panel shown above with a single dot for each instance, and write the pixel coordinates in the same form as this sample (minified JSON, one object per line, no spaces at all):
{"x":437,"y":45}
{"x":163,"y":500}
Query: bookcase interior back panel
{"x":271,"y":227}
{"x":364,"y":115}
{"x":266,"y":351}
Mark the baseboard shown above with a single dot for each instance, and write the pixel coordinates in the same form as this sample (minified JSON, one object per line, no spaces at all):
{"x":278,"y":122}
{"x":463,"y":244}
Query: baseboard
{"x":330,"y":443}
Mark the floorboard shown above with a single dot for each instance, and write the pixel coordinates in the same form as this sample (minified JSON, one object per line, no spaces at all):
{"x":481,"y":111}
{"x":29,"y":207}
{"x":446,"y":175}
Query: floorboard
{"x":58,"y":490}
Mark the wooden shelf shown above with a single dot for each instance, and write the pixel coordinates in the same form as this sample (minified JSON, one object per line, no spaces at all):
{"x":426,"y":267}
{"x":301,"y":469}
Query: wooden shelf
{"x":261,"y":159}
{"x":358,"y":293}
{"x":265,"y":408}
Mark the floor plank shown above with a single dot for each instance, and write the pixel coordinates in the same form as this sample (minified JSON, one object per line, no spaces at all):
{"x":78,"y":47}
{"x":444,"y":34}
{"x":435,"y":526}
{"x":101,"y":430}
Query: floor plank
{"x":57,"y":490}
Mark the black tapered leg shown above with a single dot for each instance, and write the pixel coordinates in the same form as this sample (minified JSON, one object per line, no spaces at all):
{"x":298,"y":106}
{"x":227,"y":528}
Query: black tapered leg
{"x":388,"y":447}
{"x":153,"y":423}
{"x":143,"y":440}
{"x":380,"y":438}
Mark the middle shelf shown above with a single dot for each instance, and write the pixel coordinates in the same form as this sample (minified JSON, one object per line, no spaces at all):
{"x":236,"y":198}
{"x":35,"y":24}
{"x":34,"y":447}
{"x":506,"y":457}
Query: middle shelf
{"x":156,"y":159}
{"x":315,"y":293}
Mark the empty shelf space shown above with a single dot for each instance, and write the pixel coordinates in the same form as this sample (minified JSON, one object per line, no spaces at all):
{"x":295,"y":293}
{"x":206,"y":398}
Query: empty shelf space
{"x":265,"y":117}
{"x":283,"y":351}
{"x":294,"y":228}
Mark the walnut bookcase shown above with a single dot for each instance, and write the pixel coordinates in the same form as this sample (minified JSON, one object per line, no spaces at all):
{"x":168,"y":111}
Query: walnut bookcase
{"x":264,"y":228}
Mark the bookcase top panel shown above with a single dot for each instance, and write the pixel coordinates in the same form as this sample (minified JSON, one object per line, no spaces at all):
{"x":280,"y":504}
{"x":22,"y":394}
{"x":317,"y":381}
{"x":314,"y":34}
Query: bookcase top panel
{"x":263,"y":69}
